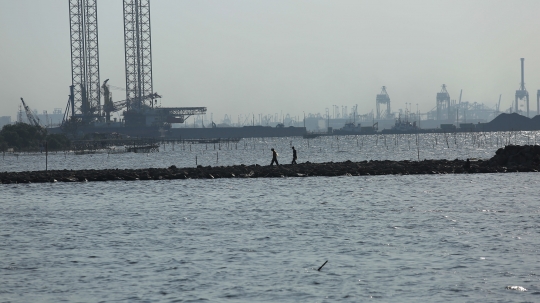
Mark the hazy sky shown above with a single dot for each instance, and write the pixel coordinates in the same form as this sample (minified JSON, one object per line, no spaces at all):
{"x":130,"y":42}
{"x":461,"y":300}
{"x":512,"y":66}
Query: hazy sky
{"x":243,"y":57}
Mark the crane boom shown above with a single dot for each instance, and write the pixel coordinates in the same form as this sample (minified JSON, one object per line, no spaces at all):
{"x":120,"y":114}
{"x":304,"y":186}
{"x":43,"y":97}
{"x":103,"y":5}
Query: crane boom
{"x":109,"y":106}
{"x":31,"y":118}
{"x":118,"y":105}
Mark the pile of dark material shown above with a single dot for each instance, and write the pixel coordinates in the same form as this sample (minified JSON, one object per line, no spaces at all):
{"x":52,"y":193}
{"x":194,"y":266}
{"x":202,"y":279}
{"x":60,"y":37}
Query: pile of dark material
{"x":512,"y":122}
{"x":515,"y":155}
{"x":508,"y":159}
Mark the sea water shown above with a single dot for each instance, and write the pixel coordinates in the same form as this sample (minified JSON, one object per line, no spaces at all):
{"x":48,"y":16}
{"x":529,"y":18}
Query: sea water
{"x":257,"y":151}
{"x":431,"y":238}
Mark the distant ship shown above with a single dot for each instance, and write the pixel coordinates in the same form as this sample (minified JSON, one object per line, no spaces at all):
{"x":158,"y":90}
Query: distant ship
{"x":402,"y":126}
{"x":351,"y":128}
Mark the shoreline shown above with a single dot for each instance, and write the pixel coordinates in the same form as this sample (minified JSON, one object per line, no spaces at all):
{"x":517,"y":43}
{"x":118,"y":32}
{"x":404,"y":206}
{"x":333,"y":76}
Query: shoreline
{"x":508,"y":159}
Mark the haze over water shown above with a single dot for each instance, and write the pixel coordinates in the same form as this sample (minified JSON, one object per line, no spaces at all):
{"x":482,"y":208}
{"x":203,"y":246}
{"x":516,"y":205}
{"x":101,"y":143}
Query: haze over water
{"x":436,"y":238}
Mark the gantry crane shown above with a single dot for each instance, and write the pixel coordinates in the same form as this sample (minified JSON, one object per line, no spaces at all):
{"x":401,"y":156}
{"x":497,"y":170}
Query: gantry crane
{"x":383,"y":98}
{"x":443,"y":102}
{"x":522,"y":92}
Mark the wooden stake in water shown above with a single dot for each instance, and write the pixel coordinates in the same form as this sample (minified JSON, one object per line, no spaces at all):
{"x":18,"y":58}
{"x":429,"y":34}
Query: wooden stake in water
{"x":322,"y":266}
{"x":417,"y":147}
{"x":46,"y":156}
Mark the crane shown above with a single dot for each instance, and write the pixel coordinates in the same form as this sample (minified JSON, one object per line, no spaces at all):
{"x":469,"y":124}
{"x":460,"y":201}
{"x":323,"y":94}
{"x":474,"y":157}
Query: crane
{"x":118,"y":105}
{"x":109,"y":106}
{"x":31,"y":119}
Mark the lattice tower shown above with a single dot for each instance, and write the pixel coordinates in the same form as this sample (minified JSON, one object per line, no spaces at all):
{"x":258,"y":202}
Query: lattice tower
{"x":84,"y":58}
{"x":138,"y":53}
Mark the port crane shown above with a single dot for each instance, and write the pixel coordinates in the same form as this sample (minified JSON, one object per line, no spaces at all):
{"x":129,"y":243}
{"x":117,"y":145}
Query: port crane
{"x":499,"y":104}
{"x":32,"y":120}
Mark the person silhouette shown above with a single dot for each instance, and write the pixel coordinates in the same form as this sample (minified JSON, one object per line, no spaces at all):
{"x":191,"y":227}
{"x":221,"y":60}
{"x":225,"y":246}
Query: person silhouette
{"x":274,"y":158}
{"x":293,"y":156}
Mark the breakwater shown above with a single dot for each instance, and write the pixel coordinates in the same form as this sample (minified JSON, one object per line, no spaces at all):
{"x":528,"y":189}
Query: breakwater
{"x":508,"y":159}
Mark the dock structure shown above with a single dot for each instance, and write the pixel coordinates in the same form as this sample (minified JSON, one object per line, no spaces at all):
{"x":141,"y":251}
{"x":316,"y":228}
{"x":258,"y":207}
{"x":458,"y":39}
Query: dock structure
{"x":115,"y":145}
{"x":138,"y":145}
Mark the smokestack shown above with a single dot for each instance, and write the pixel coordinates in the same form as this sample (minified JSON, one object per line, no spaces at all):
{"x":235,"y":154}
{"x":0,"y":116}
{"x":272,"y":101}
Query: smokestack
{"x":522,"y":77}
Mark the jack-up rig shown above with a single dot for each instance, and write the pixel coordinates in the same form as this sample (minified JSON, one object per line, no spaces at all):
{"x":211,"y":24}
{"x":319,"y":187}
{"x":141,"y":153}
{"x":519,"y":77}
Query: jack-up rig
{"x":84,"y":109}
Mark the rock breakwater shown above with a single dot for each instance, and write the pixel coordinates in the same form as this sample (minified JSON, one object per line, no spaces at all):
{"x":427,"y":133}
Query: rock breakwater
{"x":508,"y":159}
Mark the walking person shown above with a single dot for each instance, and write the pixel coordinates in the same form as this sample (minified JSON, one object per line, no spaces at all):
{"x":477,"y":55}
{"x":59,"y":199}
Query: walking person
{"x":293,"y":156}
{"x":274,"y":158}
